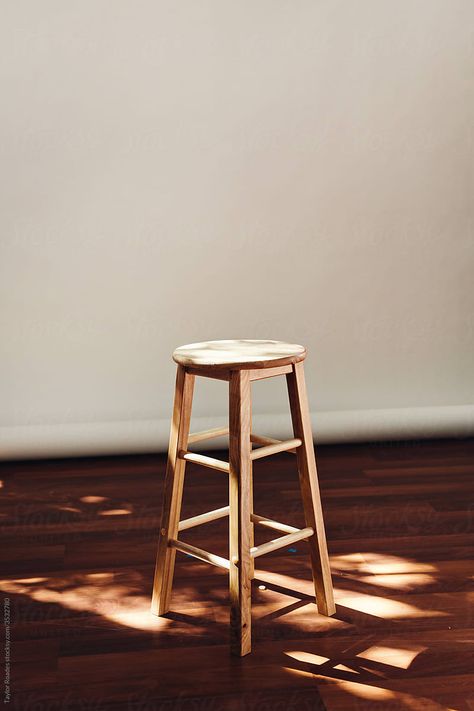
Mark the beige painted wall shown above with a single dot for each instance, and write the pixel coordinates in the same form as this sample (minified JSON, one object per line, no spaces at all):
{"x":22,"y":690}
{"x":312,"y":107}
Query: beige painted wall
{"x":195,"y":169}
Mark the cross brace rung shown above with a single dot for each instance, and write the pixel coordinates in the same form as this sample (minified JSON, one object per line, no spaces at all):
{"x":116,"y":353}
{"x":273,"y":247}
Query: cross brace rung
{"x":199,"y":553}
{"x":275,"y":525}
{"x":203,"y":518}
{"x":278,"y":446}
{"x":281,"y":542}
{"x":207,"y":434}
{"x":205,"y":461}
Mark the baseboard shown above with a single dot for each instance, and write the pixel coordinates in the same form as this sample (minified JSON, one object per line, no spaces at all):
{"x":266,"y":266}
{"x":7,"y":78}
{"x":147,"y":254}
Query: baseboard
{"x":139,"y":436}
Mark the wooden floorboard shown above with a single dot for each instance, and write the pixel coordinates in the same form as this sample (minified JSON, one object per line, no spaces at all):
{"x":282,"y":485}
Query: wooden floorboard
{"x":79,"y":540}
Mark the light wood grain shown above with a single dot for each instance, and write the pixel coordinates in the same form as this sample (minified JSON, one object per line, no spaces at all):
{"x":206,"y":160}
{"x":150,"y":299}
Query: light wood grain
{"x":273,"y":525}
{"x":207,"y":434}
{"x":203,"y":518}
{"x":310,"y":490}
{"x":208,"y":372}
{"x":240,"y":509}
{"x":199,"y":553}
{"x":204,"y":460}
{"x":261,"y":439}
{"x":173,"y":493}
{"x":269,"y":449}
{"x":238,"y":354}
{"x":269,"y":372}
{"x":281,"y":542}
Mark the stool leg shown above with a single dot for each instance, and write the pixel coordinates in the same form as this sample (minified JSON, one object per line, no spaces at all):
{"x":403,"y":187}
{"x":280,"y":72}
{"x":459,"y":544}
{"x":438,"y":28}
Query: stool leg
{"x":310,"y":490}
{"x":239,"y":515}
{"x":173,"y":492}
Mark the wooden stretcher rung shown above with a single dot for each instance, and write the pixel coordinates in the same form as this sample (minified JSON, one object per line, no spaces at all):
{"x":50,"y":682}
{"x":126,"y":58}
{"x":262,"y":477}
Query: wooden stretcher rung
{"x":260,"y":439}
{"x":275,"y":525}
{"x":207,"y":434}
{"x":203,"y":518}
{"x":289,"y":444}
{"x":199,"y":553}
{"x":281,"y":542}
{"x":205,"y":461}
{"x":261,"y":373}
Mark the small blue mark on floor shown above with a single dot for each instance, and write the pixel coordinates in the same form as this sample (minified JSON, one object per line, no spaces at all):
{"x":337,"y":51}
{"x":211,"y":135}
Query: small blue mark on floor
{"x":291,"y":550}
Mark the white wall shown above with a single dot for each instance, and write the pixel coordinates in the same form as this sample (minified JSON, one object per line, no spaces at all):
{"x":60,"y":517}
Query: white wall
{"x":187,"y":170}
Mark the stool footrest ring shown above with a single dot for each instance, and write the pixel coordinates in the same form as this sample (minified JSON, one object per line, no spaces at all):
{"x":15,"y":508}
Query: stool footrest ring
{"x":297,"y":534}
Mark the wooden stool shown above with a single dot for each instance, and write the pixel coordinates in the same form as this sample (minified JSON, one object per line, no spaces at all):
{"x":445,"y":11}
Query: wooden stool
{"x":240,"y":362}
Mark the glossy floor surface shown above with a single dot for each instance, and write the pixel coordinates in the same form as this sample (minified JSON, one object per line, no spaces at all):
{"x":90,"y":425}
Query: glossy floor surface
{"x":78,"y":547}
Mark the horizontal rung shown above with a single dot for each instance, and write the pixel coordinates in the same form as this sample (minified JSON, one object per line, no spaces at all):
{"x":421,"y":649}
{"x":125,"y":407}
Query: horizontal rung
{"x":199,"y":553}
{"x":281,"y":542}
{"x":203,"y":518}
{"x":275,"y":448}
{"x":207,"y":434}
{"x":275,"y":525}
{"x":260,"y":439}
{"x":205,"y":461}
{"x":261,"y":373}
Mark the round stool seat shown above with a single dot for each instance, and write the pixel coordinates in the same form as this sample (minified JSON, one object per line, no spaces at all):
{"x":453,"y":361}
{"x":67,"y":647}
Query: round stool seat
{"x":239,"y":355}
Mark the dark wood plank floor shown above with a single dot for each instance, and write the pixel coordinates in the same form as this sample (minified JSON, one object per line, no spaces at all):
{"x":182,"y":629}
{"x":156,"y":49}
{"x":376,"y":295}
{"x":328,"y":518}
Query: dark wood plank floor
{"x":77,"y":561}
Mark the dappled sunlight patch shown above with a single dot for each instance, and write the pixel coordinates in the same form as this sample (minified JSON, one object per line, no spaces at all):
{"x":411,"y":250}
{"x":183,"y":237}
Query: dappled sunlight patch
{"x":402,"y":581}
{"x":93,"y":499}
{"x":140,"y":619}
{"x":343,"y":668}
{"x":365,"y":691}
{"x":384,"y":564}
{"x":372,"y":563}
{"x":94,"y":593}
{"x":115,"y":512}
{"x":350,"y":562}
{"x":299,"y":672}
{"x":400,"y":657}
{"x":288,"y":585}
{"x":71,"y":509}
{"x":307,"y":657}
{"x":100,"y":576}
{"x":387,"y":698}
{"x":18,"y":584}
{"x":383,"y":607}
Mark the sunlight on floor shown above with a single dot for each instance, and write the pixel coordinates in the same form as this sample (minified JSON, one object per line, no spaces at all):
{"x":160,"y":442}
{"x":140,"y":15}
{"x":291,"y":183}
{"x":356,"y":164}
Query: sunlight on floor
{"x":364,"y":691}
{"x":307,"y":657}
{"x":117,"y":603}
{"x":399,"y":581}
{"x":395,"y":657}
{"x":383,"y":607}
{"x":93,"y":499}
{"x":115,"y":512}
{"x":343,"y":668}
{"x":21,"y":581}
{"x":293,"y":587}
{"x":379,"y":564}
{"x":100,"y":576}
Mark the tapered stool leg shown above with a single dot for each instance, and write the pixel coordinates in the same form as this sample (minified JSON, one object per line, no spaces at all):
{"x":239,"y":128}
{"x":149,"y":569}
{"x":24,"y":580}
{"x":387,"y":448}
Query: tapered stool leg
{"x":239,"y":513}
{"x":310,"y":490}
{"x":173,"y":492}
